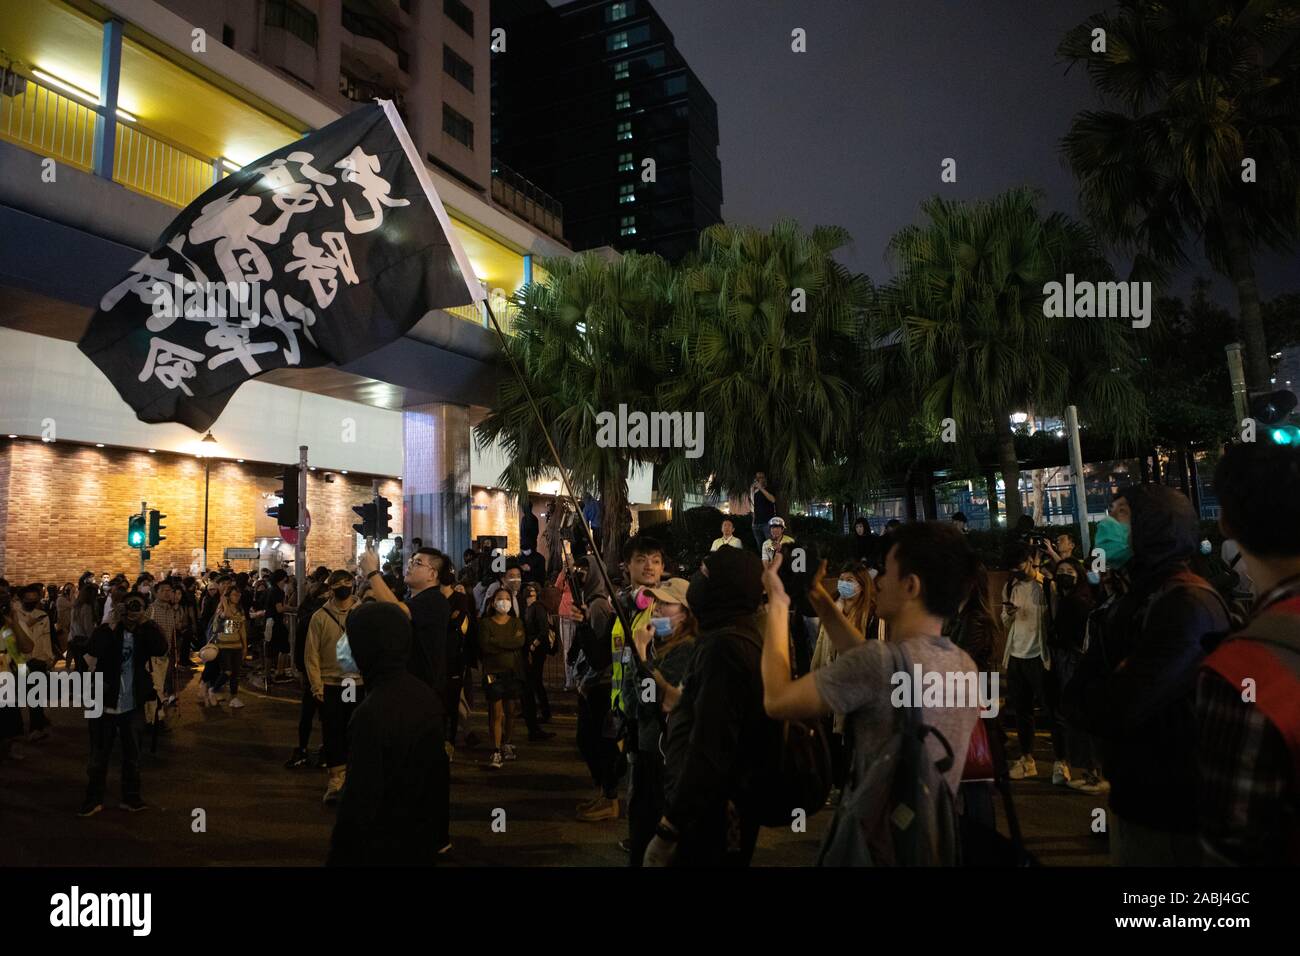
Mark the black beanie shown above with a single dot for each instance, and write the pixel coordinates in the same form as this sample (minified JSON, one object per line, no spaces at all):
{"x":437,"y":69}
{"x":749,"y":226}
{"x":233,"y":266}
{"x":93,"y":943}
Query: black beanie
{"x":380,"y":637}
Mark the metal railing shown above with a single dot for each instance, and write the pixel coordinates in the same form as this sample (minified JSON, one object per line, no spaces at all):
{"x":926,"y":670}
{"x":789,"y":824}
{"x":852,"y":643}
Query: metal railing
{"x":148,"y":164}
{"x":527,"y":200}
{"x":477,"y":314}
{"x":46,"y":121}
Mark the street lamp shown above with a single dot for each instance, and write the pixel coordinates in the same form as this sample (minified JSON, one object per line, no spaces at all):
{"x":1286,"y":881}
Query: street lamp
{"x":208,"y":439}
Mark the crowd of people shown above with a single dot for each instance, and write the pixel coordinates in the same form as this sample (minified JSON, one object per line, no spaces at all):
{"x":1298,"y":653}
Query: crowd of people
{"x":717,"y":700}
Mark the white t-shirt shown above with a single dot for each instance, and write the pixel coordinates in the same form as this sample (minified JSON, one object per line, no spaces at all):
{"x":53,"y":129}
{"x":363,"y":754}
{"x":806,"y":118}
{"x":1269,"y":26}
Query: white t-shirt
{"x":732,"y":541}
{"x":1025,"y":630}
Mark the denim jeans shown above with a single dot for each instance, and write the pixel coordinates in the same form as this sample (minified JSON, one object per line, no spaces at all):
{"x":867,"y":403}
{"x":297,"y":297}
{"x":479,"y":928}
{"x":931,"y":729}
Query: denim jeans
{"x":102,"y":731}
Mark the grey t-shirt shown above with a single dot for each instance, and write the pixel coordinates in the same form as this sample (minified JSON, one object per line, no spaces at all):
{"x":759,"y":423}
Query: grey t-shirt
{"x":858,"y":684}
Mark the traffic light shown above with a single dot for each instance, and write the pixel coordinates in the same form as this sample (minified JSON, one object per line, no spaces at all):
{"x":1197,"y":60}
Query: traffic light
{"x":1273,"y":410}
{"x":286,"y":513}
{"x":367,"y":526}
{"x":135,"y":531}
{"x":156,"y":526}
{"x":382,"y":528}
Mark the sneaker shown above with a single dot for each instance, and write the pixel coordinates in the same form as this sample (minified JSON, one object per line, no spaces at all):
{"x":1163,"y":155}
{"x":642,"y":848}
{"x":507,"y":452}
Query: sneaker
{"x":625,"y":845}
{"x":235,"y":702}
{"x":37,"y":735}
{"x":296,"y":760}
{"x":445,"y":848}
{"x":603,"y":809}
{"x":320,"y":759}
{"x":89,"y":808}
{"x":1060,"y":773}
{"x":588,"y":803}
{"x":508,"y":752}
{"x":1023,"y":767}
{"x":536,"y":736}
{"x":497,"y":761}
{"x":1088,"y":782}
{"x":334,"y":791}
{"x":133,"y":805}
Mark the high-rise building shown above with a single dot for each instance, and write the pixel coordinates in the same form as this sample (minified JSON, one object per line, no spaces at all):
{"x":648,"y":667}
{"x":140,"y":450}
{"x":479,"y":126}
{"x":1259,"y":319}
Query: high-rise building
{"x":593,"y":103}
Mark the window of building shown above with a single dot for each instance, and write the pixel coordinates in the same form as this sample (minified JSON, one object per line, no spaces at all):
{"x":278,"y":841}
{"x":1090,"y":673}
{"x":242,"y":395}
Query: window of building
{"x":624,"y":131}
{"x":292,"y":18}
{"x":228,"y":35}
{"x":459,"y":69}
{"x":627,"y":226}
{"x":622,"y":100}
{"x":457,"y":127}
{"x":627,"y":193}
{"x":459,"y":14}
{"x":617,"y":41}
{"x":625,"y":164}
{"x":621,"y":71}
{"x":617,"y":11}
{"x":675,"y":85}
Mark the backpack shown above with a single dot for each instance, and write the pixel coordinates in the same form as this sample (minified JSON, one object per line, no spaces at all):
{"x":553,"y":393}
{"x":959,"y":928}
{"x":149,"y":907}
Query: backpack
{"x":796,"y":774}
{"x":902,"y":811}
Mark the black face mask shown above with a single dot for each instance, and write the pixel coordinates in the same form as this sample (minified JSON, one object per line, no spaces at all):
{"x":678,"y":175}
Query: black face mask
{"x":342,"y":594}
{"x":30,"y":605}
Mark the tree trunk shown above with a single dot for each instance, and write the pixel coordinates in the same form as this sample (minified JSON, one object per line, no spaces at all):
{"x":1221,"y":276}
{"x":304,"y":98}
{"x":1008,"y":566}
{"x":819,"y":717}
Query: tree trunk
{"x":1157,"y":476}
{"x":991,"y":489}
{"x":614,"y":519}
{"x":1010,"y":467}
{"x":909,"y":497}
{"x":1181,"y":463}
{"x":1193,"y":479}
{"x":1241,"y":270}
{"x":929,"y":502}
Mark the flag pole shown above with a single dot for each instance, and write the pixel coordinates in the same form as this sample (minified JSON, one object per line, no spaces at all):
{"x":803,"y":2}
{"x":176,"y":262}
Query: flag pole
{"x":564,"y":472}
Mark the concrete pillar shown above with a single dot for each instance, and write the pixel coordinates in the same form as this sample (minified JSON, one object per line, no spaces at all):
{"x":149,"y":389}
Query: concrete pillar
{"x":435,"y":476}
{"x":110,"y":72}
{"x":329,"y":42}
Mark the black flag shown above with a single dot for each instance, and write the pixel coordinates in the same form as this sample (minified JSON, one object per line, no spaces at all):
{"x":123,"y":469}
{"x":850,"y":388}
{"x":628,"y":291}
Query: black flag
{"x":318,"y":253}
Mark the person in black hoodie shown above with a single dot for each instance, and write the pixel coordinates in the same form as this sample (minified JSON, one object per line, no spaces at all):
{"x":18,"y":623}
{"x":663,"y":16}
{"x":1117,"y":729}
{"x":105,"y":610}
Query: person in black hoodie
{"x":1136,"y":687}
{"x":719,"y":731}
{"x":390,"y":814}
{"x":121,"y":652}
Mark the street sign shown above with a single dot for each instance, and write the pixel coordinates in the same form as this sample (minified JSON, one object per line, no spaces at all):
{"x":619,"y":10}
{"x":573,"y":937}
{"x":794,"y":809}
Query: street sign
{"x":290,"y":535}
{"x":242,"y":554}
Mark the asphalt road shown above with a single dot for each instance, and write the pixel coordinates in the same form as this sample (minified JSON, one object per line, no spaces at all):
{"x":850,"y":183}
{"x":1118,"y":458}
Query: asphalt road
{"x":229,"y":765}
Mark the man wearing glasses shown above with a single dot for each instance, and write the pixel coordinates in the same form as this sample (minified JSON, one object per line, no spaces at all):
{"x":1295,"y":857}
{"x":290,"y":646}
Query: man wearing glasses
{"x":120,"y":650}
{"x":430,"y":615}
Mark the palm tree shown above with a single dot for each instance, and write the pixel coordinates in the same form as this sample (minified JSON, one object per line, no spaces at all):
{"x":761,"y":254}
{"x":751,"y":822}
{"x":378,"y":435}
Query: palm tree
{"x":767,"y":340}
{"x":1200,"y":87}
{"x":966,"y":310}
{"x":587,"y":339}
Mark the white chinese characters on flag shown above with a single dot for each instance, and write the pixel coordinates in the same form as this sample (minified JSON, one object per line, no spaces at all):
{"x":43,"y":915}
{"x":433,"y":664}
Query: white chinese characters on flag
{"x":316,"y":254}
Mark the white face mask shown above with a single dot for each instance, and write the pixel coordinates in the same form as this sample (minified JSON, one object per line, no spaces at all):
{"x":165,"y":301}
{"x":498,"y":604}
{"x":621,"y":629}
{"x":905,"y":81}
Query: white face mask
{"x":503,"y":607}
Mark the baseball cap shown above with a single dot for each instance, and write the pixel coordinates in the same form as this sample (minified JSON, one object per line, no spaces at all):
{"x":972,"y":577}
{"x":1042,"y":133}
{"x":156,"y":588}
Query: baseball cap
{"x":777,"y":522}
{"x":672,"y":591}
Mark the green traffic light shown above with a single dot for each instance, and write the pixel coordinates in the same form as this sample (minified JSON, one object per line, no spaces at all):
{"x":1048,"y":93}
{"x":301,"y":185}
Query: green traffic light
{"x":1285,"y":435}
{"x":135,"y":531}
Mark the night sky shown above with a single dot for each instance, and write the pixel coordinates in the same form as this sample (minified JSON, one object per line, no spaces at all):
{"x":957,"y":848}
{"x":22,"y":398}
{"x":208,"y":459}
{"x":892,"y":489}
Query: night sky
{"x":853,"y":131}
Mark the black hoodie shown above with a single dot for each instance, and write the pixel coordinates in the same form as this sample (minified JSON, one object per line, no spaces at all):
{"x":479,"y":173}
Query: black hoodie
{"x":1136,"y":688}
{"x":395,"y":798}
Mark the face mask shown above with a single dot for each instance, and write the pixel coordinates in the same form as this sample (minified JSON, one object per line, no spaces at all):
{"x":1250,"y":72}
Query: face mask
{"x":1205,"y":546}
{"x":343,"y":654}
{"x":847,"y":589}
{"x":29,"y":605}
{"x":643,"y":600}
{"x":503,"y":607}
{"x":514,"y":583}
{"x":342,"y":593}
{"x":1094,"y":577}
{"x":1020,"y":575}
{"x":663,"y":626}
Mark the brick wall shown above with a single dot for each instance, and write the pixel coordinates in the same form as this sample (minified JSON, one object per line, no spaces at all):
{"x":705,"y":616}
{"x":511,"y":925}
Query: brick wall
{"x":64,"y":509}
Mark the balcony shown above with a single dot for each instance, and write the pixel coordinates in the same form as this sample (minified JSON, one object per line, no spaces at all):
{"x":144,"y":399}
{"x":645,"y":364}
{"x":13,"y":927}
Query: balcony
{"x":477,"y":313}
{"x":40,"y":118}
{"x":526,"y":200}
{"x":374,"y":44}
